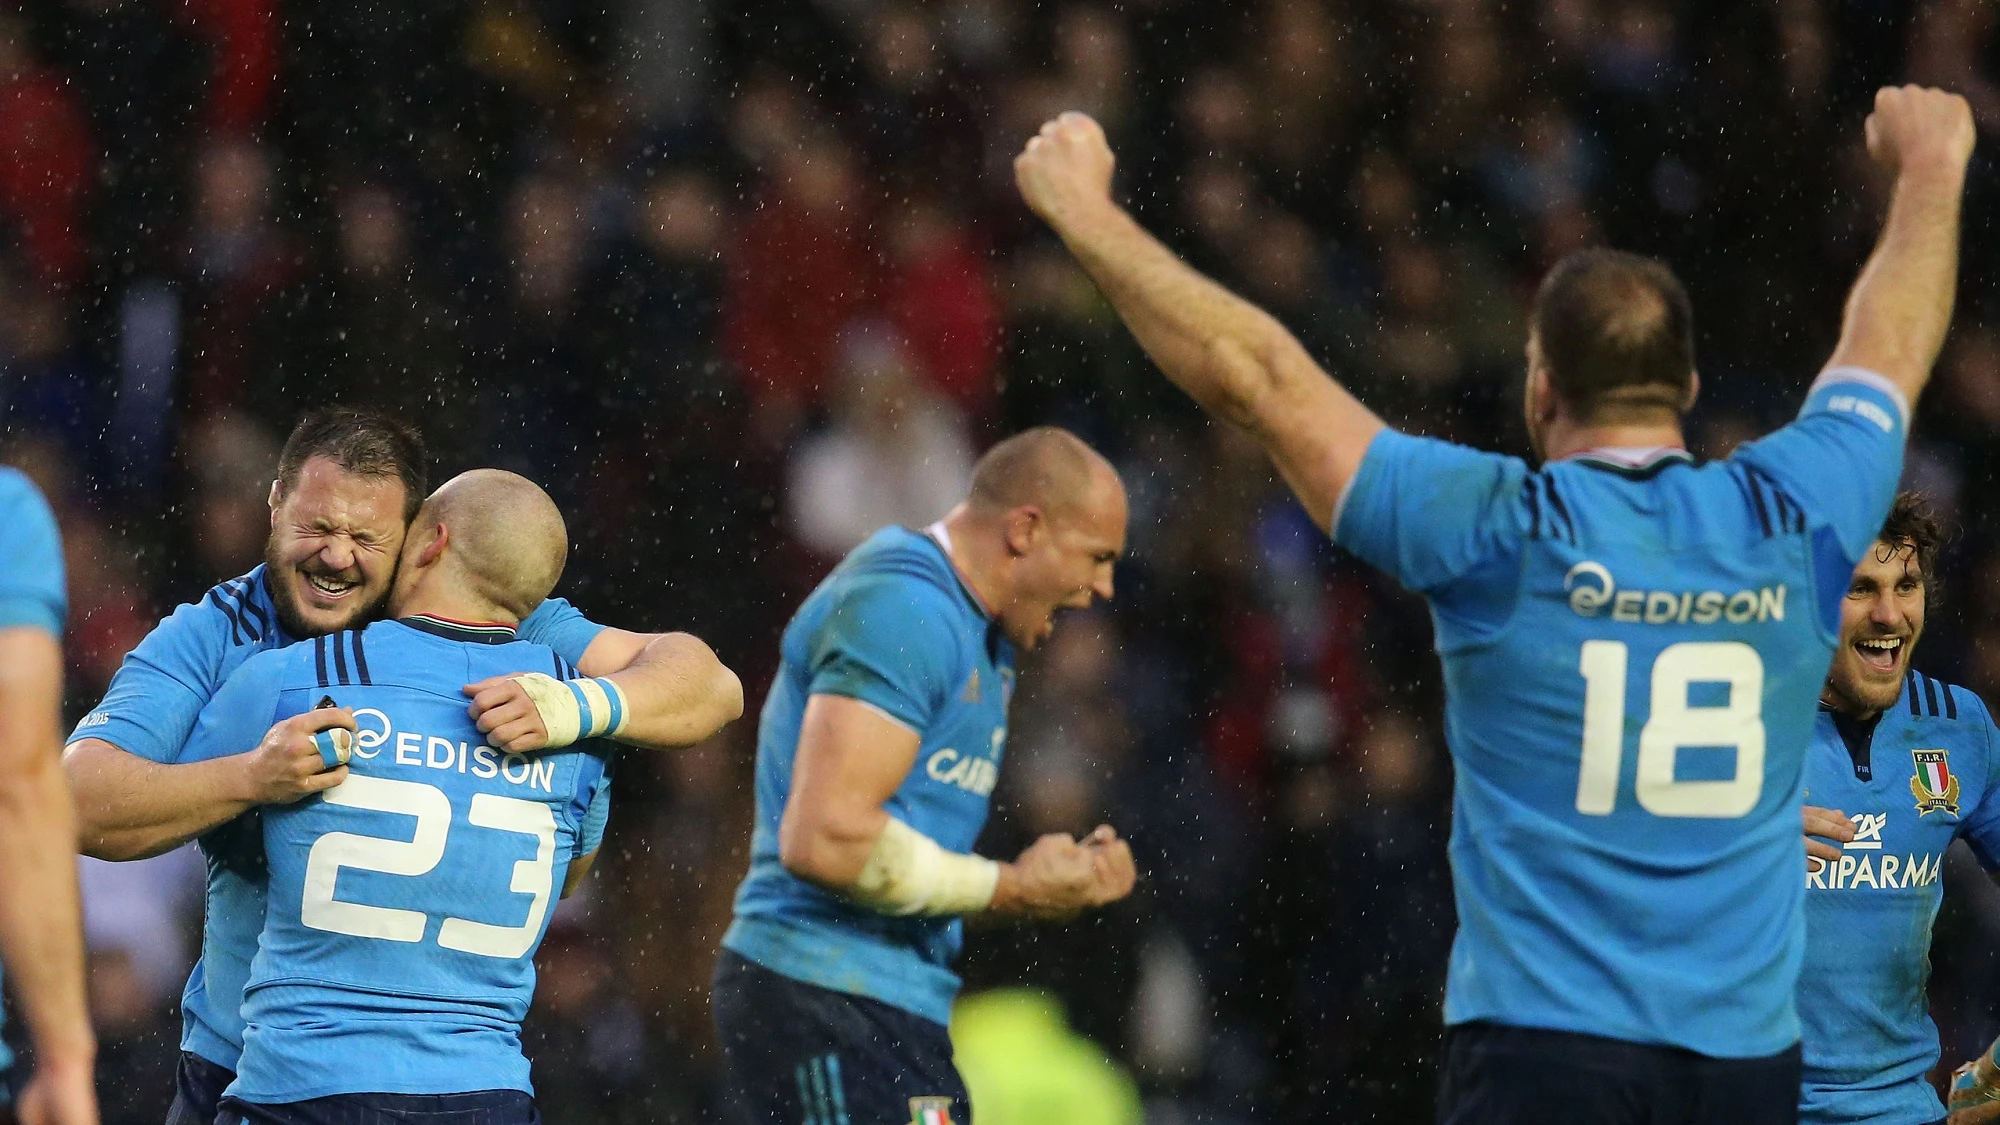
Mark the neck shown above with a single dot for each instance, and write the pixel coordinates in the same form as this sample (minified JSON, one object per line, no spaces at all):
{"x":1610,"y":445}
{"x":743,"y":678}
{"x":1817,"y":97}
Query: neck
{"x":980,"y":558}
{"x":1565,"y":438}
{"x":452,"y":604}
{"x":1845,"y":707}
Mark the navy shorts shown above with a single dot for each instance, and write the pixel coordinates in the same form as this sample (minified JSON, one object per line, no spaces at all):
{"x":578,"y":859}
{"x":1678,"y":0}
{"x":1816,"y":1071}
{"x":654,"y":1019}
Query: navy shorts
{"x":1500,"y":1075}
{"x":480,"y":1107}
{"x":797,"y":1054}
{"x":198,"y":1086}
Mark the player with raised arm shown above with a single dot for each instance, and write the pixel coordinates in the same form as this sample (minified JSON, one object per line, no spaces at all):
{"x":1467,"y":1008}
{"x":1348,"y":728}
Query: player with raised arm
{"x":41,"y":927}
{"x":1633,"y":644}
{"x":406,"y":903}
{"x":348,"y":482}
{"x":1900,"y":766}
{"x":877,"y":752}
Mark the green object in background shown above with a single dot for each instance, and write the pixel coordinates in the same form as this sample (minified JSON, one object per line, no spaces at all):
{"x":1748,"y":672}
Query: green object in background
{"x":1024,"y":1066}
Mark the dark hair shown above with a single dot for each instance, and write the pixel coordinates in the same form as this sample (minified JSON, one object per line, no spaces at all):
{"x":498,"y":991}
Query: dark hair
{"x":1914,"y":523}
{"x":1617,"y":334}
{"x":365,"y":442}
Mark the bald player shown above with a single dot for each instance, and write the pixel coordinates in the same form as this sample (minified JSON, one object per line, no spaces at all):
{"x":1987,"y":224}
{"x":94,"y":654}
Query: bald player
{"x":876,"y":757}
{"x":405,"y":903}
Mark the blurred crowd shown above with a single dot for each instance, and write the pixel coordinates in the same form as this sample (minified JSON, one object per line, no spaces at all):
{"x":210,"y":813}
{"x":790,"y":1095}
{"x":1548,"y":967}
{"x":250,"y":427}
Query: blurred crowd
{"x":741,"y":282}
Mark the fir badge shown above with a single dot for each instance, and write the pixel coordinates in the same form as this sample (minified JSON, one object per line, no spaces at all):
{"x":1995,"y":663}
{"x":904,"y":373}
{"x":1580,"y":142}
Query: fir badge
{"x":1932,"y":784}
{"x":930,"y":1111}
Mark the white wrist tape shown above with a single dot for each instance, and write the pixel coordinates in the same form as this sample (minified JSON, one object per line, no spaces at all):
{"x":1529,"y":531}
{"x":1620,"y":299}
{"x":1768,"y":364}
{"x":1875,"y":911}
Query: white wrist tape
{"x":908,"y":873}
{"x":575,"y":709}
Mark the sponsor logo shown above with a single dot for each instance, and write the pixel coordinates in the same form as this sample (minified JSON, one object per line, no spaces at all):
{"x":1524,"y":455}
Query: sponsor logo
{"x":374,"y":735}
{"x":1593,"y":592}
{"x":930,"y":1111}
{"x":1932,"y":784}
{"x":1867,"y":832}
{"x":1886,"y":872}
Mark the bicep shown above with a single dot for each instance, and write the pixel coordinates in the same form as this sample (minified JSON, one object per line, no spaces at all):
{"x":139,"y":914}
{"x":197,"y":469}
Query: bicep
{"x":1316,"y":433}
{"x":613,"y":650}
{"x":850,"y":755}
{"x":30,"y":695}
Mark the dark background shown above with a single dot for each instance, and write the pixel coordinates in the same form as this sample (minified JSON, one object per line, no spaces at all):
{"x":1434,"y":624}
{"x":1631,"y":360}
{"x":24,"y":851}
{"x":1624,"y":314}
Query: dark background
{"x":740,"y":281}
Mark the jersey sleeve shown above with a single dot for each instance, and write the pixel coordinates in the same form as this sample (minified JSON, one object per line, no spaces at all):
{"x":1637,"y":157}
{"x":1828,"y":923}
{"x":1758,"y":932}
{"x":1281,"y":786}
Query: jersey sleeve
{"x":1426,"y":511}
{"x":1841,"y":459}
{"x":888,"y":642}
{"x":243,"y":709}
{"x":31,"y":563}
{"x":562,"y":627}
{"x":1981,"y":826}
{"x":163,"y":684}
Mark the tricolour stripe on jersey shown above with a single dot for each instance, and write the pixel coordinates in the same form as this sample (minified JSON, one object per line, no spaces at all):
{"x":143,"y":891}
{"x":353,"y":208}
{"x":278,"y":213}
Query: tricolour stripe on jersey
{"x":1910,"y":690}
{"x":1950,"y":704}
{"x":1561,"y":510}
{"x":339,"y":659}
{"x":1930,"y":695}
{"x":236,"y":629}
{"x":361,"y":661}
{"x":319,"y":660}
{"x":1531,"y":489}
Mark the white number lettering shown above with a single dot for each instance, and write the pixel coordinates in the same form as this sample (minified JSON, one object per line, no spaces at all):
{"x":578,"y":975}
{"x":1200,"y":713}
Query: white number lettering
{"x":531,"y":877}
{"x":414,"y":856}
{"x":417,"y":856}
{"x":1671,"y":724}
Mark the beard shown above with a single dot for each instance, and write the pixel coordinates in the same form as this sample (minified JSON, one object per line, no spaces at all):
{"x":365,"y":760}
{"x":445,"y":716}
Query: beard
{"x":281,"y":579}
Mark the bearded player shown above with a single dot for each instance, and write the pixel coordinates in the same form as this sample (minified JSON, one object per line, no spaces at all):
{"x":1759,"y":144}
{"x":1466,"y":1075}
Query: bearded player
{"x":1900,"y":766}
{"x":348,"y":483}
{"x":1633,"y":644}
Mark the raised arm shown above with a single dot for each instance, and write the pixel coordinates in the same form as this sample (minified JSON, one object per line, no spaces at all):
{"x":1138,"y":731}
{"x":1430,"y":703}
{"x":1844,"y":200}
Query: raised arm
{"x":837,"y":834}
{"x":41,"y":927}
{"x":674,"y":690}
{"x":1900,"y":308}
{"x":1232,"y":357}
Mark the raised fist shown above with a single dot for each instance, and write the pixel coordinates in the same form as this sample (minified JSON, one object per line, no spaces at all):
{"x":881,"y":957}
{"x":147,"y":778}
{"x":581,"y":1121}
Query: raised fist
{"x":1915,"y":127}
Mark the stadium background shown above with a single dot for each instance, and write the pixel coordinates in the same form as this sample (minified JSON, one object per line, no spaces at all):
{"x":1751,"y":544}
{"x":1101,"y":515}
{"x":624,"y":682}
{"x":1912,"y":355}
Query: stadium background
{"x":740,"y":280}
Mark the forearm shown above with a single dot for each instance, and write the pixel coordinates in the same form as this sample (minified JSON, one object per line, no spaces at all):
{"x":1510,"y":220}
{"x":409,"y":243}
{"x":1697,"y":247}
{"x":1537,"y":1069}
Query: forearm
{"x":1226,"y":353}
{"x":130,"y":808}
{"x":678,"y":693}
{"x":1900,"y":308}
{"x":41,"y":932}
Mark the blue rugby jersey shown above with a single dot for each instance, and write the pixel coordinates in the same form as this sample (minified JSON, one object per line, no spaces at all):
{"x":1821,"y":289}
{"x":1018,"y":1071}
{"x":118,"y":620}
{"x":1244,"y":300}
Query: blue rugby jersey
{"x":894,"y":627}
{"x":150,"y":709}
{"x":404,"y":905}
{"x":1918,"y":778}
{"x":1633,"y":652}
{"x":32,"y":591}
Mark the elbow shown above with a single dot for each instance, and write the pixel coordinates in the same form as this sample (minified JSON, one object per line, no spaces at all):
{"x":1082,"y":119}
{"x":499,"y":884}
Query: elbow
{"x":821,"y":850}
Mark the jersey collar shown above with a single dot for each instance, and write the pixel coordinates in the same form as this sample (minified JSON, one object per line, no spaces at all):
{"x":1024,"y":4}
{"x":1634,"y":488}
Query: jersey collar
{"x":476,"y":632}
{"x":1632,"y":461}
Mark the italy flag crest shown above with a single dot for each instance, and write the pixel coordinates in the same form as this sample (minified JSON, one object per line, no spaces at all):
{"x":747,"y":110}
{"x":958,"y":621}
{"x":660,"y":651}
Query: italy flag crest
{"x":930,"y":1111}
{"x":1933,"y":786}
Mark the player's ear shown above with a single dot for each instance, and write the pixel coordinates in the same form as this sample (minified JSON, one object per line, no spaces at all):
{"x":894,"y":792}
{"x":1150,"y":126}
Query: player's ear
{"x":277,"y":496}
{"x":1694,"y":390}
{"x":1025,"y":526}
{"x":433,"y":549}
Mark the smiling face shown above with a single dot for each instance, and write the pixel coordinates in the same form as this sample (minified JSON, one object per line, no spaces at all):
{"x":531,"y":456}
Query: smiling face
{"x":1880,"y":621}
{"x":332,"y":553}
{"x":1064,"y":560}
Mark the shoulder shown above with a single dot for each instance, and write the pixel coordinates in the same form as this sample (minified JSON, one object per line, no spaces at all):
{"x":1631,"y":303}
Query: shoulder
{"x":232,"y":613}
{"x":20,"y":499}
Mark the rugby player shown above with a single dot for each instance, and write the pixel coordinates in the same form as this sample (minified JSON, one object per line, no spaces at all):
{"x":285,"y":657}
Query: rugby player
{"x":406,"y":903}
{"x":41,"y":929}
{"x":877,"y":752}
{"x":1900,"y":766}
{"x":1633,"y":644}
{"x":348,"y":482}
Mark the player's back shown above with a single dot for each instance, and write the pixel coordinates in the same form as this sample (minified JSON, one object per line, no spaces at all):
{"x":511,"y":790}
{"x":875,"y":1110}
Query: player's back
{"x":406,"y":903}
{"x":1633,"y":647}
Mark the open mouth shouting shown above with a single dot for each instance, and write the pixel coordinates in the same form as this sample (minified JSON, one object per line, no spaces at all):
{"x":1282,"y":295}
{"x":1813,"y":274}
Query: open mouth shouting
{"x":1881,"y":654}
{"x":329,"y":589}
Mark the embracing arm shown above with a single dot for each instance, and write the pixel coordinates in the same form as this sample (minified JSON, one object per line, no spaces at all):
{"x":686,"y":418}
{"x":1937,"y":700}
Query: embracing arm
{"x":1900,"y":308}
{"x":1230,"y":356}
{"x":41,"y":928}
{"x":675,"y":691}
{"x":836,"y":833}
{"x":129,"y":807}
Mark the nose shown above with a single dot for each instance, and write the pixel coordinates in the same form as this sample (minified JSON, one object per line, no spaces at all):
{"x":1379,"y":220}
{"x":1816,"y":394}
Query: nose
{"x":1102,"y":585}
{"x":338,"y":554}
{"x":1886,"y":612}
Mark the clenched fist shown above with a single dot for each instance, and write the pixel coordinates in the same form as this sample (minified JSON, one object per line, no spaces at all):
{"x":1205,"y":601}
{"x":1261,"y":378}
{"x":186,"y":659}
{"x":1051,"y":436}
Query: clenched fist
{"x":1057,"y":876}
{"x":286,"y":765}
{"x":1915,"y":127}
{"x":1065,"y":171}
